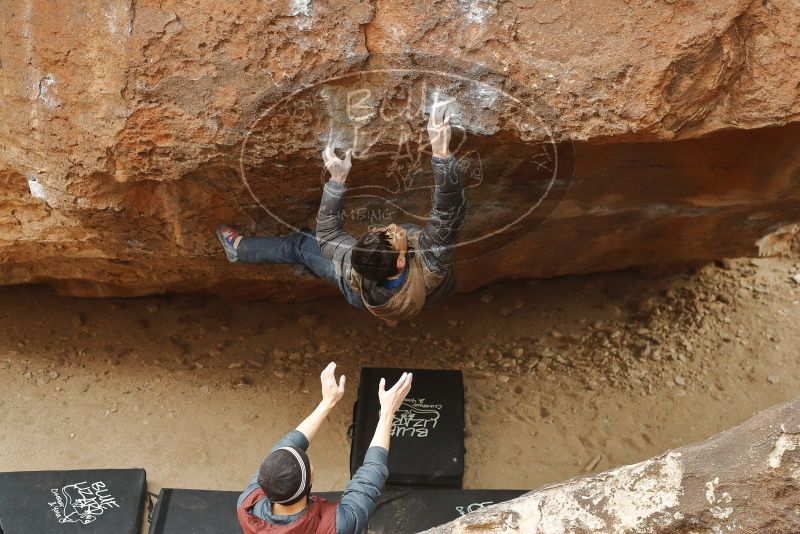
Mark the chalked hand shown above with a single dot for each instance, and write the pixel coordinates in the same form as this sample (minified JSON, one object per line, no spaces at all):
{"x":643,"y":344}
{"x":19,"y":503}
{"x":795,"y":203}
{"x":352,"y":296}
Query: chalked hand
{"x":332,"y":392}
{"x":439,"y":129}
{"x":339,"y":168}
{"x":390,"y":400}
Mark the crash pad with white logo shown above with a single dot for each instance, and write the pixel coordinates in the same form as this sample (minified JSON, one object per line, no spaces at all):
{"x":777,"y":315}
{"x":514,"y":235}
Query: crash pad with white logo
{"x":95,"y":501}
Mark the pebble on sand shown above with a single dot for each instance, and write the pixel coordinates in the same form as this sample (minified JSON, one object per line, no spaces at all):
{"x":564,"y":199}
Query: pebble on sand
{"x":589,"y":467}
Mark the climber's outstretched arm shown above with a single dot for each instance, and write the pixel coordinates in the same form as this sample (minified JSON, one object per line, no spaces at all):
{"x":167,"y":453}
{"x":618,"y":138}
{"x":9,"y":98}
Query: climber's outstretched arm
{"x":334,"y":242}
{"x":449,"y":207}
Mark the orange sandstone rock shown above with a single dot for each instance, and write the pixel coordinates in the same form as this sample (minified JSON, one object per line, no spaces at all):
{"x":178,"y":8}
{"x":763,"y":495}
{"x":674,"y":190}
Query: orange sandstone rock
{"x":662,"y":133}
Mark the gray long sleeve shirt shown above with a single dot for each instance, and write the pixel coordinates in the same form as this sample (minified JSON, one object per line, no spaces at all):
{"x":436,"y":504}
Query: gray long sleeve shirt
{"x":438,"y":237}
{"x":359,"y":497}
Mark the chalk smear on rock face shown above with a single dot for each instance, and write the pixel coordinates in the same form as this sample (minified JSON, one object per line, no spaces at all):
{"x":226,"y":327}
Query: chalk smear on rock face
{"x":719,"y":508}
{"x":644,"y":490}
{"x":111,"y":19}
{"x":45,"y":95}
{"x":479,"y":10}
{"x":37,"y":189}
{"x":301,"y":8}
{"x":786,"y":442}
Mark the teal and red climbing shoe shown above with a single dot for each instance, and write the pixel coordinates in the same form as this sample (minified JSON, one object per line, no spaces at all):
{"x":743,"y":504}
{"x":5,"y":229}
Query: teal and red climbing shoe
{"x":227,"y":236}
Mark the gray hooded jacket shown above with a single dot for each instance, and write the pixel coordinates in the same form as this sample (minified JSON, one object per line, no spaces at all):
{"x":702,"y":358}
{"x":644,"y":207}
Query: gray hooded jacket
{"x":437,"y":240}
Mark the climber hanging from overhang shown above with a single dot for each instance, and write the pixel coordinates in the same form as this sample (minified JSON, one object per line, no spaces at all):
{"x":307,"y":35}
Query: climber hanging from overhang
{"x":393,"y":271}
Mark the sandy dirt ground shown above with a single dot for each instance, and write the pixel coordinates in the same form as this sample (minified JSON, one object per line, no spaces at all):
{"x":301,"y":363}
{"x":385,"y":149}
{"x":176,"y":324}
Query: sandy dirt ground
{"x":563,"y":376}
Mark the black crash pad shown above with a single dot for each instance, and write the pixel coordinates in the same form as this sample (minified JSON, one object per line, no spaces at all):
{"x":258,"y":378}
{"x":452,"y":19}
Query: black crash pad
{"x":97,"y":501}
{"x":427,"y":447}
{"x":416,"y":510}
{"x":187,"y":511}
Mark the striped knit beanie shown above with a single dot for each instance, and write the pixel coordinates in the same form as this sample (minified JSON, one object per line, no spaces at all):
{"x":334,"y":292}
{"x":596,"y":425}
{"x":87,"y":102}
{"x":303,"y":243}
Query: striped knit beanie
{"x":285,"y":475}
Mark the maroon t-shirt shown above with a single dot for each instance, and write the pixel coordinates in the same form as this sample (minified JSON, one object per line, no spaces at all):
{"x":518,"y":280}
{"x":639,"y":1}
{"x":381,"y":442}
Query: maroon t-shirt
{"x":319,"y":518}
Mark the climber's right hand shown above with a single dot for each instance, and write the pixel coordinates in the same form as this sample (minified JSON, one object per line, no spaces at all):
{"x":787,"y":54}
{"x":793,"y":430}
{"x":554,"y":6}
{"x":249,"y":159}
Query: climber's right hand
{"x":339,"y":168}
{"x":439,"y":129}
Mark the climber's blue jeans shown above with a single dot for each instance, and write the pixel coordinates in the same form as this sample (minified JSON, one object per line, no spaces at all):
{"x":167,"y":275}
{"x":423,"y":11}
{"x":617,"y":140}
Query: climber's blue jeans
{"x":298,"y":248}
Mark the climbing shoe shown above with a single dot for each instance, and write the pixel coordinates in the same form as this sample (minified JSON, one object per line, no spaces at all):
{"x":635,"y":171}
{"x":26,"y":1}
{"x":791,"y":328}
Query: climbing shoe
{"x":227,"y":237}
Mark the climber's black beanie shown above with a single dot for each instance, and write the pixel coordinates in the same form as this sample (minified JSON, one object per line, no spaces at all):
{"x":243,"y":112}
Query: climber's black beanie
{"x":285,"y":475}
